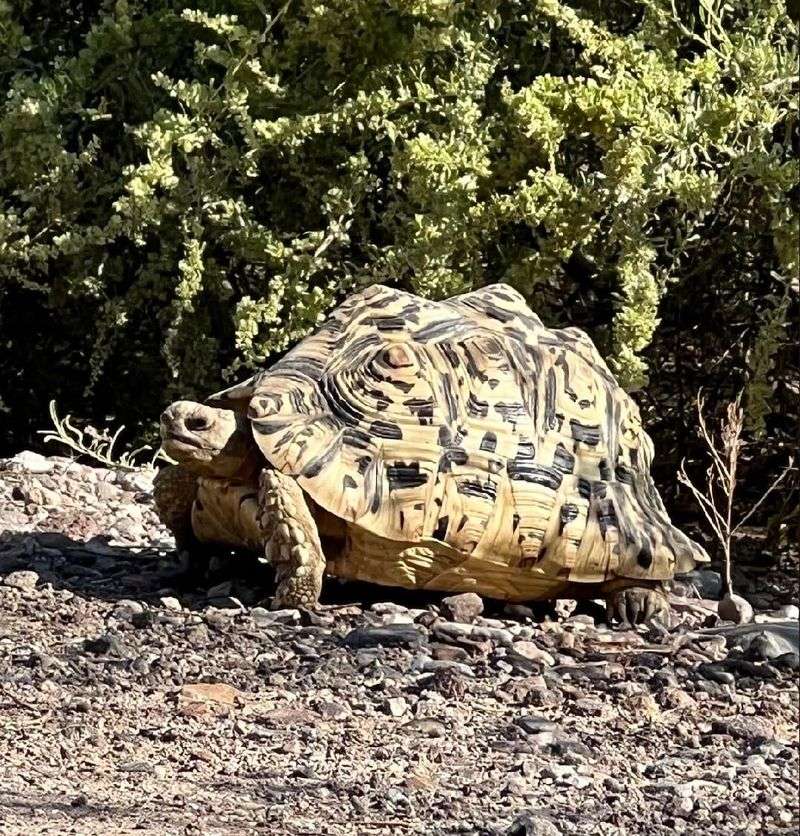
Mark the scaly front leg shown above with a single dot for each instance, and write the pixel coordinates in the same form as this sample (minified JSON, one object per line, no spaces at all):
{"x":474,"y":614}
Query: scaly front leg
{"x":174,"y":492}
{"x":291,"y":540}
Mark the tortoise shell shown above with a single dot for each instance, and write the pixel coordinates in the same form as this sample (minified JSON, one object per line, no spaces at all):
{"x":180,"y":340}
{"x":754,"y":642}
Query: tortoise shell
{"x":468,"y":426}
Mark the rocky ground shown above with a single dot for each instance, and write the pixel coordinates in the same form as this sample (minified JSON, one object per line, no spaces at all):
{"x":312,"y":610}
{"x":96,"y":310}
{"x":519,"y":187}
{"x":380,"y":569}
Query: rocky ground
{"x":137,"y":699}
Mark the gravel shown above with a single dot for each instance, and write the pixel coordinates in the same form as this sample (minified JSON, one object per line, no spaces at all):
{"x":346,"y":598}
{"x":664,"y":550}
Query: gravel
{"x":138,"y":699}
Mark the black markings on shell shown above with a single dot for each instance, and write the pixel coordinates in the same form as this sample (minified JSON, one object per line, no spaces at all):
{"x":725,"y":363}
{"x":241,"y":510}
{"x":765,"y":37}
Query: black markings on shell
{"x":440,"y":531}
{"x":563,"y":460}
{"x":403,"y":475}
{"x":568,"y":513}
{"x":624,"y":474}
{"x":588,"y":434}
{"x":463,"y":402}
{"x":385,"y":429}
{"x":479,"y":488}
{"x":477,"y":408}
{"x":450,"y":457}
{"x":489,"y":442}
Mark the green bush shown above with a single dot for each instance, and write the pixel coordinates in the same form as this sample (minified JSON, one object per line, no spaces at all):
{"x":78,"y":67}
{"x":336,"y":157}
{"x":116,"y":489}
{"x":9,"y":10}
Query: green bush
{"x":186,"y":191}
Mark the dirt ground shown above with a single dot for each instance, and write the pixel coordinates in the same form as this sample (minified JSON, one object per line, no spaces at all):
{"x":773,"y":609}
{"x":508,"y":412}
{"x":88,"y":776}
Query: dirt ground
{"x":138,"y":699}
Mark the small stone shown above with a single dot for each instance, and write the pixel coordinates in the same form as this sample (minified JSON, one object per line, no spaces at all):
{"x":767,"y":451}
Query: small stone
{"x":533,"y":652}
{"x":391,"y":635}
{"x":170,"y":603}
{"x":535,"y":724}
{"x":716,"y":674}
{"x":790,"y":611}
{"x":138,"y":481}
{"x":745,"y":727}
{"x":448,"y":652}
{"x":24,"y":579}
{"x":734,"y":608}
{"x":530,"y":824}
{"x":265,"y":618}
{"x":221,"y":590}
{"x":106,"y":492}
{"x":329,"y":710}
{"x":426,"y":727}
{"x":388,"y":608}
{"x":396,"y":706}
{"x":125,"y":609}
{"x":465,"y":607}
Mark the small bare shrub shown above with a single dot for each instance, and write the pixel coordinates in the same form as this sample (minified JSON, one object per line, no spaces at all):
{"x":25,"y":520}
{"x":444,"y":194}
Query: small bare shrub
{"x":99,"y":445}
{"x":716,"y":498}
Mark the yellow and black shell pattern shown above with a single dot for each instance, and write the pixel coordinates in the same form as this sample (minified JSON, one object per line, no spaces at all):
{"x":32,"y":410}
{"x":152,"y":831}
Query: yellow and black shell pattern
{"x":469,"y":424}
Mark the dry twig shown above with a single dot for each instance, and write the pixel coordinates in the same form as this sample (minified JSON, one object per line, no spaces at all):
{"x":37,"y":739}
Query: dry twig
{"x":716,"y":499}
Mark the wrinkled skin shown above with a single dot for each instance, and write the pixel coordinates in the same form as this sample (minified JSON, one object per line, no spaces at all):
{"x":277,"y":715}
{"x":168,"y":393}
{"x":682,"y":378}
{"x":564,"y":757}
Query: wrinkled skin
{"x":208,"y":441}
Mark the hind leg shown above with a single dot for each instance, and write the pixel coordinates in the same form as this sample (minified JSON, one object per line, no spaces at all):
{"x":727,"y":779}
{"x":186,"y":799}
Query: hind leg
{"x":291,"y":539}
{"x":631,"y":605}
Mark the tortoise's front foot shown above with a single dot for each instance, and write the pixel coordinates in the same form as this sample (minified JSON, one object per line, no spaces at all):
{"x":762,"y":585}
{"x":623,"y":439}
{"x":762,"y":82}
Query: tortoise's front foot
{"x":292,"y":541}
{"x":638,"y":605}
{"x":294,"y":592}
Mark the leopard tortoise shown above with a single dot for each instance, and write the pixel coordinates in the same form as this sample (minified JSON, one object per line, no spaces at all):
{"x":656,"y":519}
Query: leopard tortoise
{"x":454,"y":446}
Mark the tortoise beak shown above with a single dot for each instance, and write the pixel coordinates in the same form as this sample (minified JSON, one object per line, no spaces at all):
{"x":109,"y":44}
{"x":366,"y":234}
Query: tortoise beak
{"x":204,"y":438}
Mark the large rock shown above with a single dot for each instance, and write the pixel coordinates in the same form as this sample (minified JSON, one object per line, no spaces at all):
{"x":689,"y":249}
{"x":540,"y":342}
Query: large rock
{"x":24,"y":579}
{"x":28,"y":462}
{"x":736,"y":609}
{"x":465,"y":607}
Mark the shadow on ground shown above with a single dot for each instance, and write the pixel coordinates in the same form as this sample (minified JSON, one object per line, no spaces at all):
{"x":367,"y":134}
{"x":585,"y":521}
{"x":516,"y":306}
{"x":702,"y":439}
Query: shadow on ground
{"x":94,"y":568}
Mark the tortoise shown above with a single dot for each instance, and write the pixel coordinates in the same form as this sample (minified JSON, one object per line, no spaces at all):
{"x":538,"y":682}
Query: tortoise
{"x":454,"y":446}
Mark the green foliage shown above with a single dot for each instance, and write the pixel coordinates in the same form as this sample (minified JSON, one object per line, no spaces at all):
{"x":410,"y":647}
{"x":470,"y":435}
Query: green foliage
{"x":184,"y":192}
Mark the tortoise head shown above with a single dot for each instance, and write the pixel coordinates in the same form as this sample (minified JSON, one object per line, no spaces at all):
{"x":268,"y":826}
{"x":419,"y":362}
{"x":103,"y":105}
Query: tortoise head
{"x":207,"y":440}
